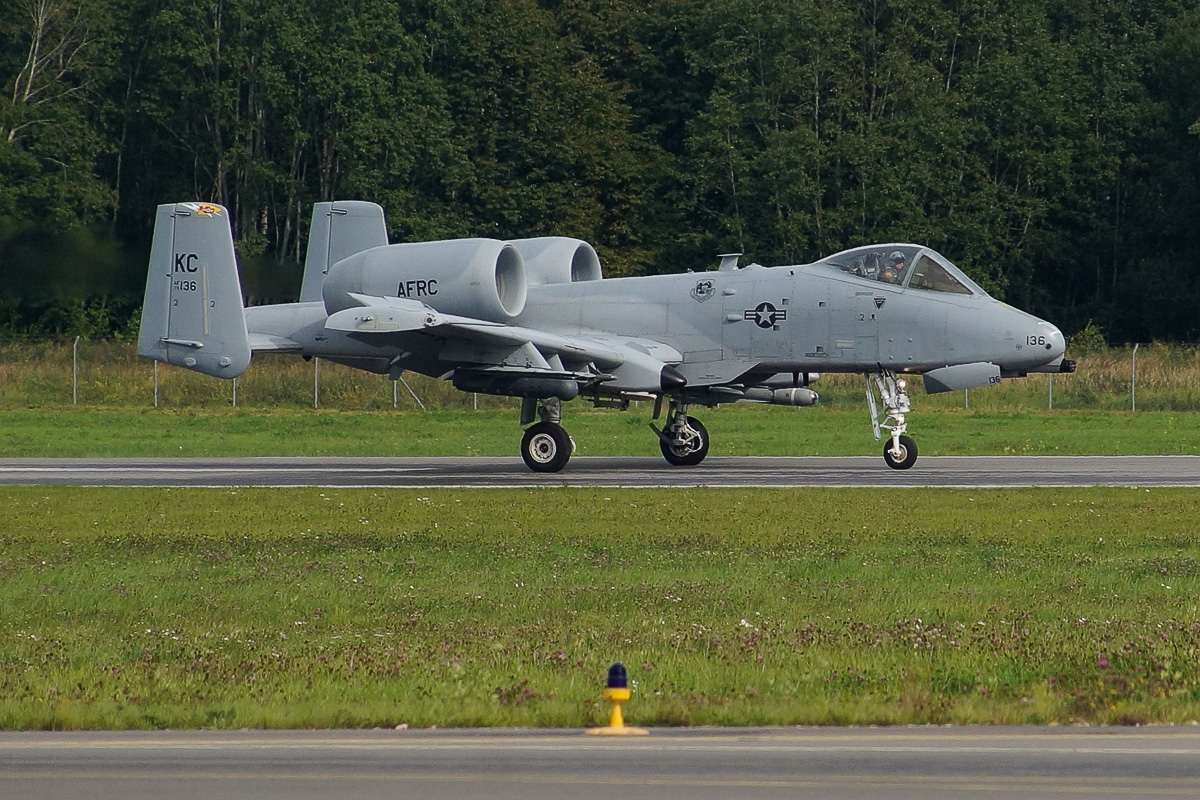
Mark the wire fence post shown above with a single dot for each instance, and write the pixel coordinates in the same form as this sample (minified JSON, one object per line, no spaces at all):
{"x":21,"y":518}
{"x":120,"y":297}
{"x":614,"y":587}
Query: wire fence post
{"x":1050,"y":404}
{"x":316,"y":382}
{"x":156,"y":384}
{"x":396,"y":393}
{"x":1133,"y":379}
{"x":410,"y":391}
{"x":966,"y":398}
{"x":75,"y":372}
{"x":235,"y":392}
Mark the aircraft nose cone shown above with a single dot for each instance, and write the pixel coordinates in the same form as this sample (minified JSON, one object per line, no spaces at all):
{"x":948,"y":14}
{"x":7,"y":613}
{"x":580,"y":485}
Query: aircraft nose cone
{"x":1056,"y":343}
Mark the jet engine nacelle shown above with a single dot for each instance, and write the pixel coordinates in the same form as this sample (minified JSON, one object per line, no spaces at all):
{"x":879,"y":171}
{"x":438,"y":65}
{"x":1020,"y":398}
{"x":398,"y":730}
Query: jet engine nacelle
{"x":558,"y":259}
{"x":479,"y":278}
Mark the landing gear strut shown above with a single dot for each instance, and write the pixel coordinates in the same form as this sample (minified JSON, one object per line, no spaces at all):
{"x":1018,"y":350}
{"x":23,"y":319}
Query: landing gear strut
{"x":900,"y":452}
{"x":683,"y":440}
{"x":545,"y":447}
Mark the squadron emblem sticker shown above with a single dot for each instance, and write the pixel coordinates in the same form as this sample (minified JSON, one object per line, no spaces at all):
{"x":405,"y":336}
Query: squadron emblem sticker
{"x":204,"y":209}
{"x":704,"y":290}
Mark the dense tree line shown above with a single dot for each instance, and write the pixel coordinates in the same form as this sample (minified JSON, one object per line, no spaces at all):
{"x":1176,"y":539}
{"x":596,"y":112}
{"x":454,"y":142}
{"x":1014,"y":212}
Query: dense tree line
{"x":1050,"y":148}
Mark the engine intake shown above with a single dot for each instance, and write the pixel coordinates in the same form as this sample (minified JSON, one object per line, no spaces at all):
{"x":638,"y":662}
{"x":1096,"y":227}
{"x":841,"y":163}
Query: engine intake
{"x":558,"y":259}
{"x":480,"y":278}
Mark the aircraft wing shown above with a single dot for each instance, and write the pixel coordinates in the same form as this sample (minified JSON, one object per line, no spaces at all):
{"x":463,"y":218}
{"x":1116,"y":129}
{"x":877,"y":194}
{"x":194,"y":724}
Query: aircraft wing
{"x":629,"y":364}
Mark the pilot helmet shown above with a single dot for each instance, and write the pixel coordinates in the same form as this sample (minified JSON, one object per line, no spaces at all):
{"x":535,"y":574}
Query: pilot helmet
{"x":896,"y":257}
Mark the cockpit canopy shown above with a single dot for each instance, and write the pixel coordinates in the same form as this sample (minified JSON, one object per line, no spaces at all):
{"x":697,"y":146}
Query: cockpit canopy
{"x":906,"y":265}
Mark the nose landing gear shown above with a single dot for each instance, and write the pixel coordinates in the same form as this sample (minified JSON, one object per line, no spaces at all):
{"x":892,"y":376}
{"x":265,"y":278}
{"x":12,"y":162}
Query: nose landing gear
{"x":900,"y":452}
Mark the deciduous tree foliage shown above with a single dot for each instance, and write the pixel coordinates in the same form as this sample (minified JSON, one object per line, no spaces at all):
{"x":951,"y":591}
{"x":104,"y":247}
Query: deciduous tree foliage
{"x":1050,"y":148}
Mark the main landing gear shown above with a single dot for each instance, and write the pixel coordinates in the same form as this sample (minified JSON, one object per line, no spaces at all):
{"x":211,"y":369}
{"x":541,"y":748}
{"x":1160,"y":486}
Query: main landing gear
{"x":683,"y":440}
{"x":545,"y":447}
{"x":900,"y":452}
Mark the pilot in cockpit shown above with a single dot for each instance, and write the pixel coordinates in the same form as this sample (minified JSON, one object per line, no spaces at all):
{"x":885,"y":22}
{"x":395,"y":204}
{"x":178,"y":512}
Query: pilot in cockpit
{"x":893,"y":270}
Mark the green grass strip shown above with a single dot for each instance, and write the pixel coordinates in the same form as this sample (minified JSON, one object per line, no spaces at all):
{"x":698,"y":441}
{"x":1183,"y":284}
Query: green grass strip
{"x":321,"y":607}
{"x":735,"y":430}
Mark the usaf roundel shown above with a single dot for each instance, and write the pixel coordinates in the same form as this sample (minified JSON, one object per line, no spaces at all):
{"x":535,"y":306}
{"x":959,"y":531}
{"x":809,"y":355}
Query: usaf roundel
{"x":765,"y":315}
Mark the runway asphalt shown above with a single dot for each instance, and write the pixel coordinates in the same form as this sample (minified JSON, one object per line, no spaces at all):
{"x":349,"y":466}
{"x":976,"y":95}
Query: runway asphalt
{"x":930,"y":471}
{"x":668,"y":763}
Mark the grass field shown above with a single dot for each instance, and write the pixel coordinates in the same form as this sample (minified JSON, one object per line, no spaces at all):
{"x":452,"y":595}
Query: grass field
{"x":138,"y":608}
{"x":734,"y":430}
{"x":305,"y":607}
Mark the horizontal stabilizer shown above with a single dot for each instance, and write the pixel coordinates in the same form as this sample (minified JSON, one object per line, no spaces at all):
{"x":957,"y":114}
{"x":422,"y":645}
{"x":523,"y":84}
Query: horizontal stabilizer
{"x":268,"y":343}
{"x":397,"y":316}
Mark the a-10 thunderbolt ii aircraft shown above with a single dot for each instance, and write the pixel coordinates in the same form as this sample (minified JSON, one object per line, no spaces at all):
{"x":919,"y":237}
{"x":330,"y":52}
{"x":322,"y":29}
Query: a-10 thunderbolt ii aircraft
{"x":534,"y":319}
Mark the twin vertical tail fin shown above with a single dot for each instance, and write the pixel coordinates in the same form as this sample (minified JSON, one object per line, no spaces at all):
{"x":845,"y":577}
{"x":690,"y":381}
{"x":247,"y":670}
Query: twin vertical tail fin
{"x":193,"y":315}
{"x":339,"y":230}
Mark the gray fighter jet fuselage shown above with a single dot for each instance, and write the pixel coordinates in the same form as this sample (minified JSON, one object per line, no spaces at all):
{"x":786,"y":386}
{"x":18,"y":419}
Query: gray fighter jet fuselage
{"x":534,"y":319}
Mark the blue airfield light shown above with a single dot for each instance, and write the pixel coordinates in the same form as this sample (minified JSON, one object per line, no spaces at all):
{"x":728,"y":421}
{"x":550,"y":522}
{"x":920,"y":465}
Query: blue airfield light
{"x":617,"y":692}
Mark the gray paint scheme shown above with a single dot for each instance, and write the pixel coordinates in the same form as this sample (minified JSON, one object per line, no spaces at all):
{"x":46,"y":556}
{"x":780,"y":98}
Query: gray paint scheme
{"x":532,"y":318}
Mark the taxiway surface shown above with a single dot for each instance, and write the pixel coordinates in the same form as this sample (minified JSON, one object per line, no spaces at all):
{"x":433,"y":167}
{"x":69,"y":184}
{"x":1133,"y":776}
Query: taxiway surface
{"x":778,"y":472}
{"x":669,"y":763}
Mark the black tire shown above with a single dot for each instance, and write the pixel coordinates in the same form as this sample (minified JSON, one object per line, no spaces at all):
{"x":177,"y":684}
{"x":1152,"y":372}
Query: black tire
{"x":908,"y":453}
{"x":546,"y":447}
{"x":693,"y":456}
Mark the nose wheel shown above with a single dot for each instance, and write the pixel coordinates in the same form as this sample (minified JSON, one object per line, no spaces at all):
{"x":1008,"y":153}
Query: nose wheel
{"x":900,"y":453}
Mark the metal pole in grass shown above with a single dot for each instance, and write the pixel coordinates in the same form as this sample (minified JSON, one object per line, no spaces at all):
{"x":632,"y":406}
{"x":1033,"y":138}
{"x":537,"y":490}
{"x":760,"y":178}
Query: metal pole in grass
{"x":1051,"y":402}
{"x":1133,"y":379}
{"x":75,"y":372}
{"x":316,"y":382}
{"x":235,"y":392}
{"x":410,"y":391}
{"x":966,"y":398}
{"x":396,"y":393}
{"x":156,"y":384}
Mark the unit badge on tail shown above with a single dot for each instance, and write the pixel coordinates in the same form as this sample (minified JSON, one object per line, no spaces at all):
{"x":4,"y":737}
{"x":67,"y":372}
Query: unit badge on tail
{"x":205,"y":209}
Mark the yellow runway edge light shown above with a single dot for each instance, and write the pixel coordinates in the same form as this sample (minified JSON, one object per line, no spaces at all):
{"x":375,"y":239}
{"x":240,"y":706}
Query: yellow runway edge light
{"x":617,"y":692}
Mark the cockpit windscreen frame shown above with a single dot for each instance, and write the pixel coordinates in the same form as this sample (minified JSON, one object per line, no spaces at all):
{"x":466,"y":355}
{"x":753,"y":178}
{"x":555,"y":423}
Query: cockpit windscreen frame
{"x":907,"y":266}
